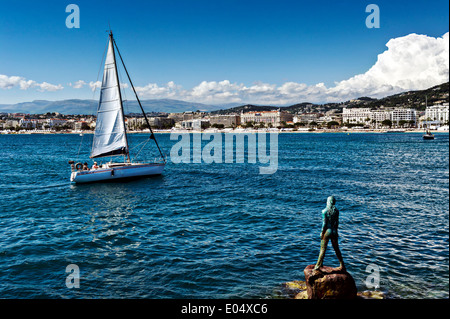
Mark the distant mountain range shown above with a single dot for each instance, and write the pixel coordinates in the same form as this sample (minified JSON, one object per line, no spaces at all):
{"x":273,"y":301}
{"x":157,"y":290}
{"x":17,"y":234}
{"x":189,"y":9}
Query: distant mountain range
{"x":411,"y":99}
{"x":76,"y":106}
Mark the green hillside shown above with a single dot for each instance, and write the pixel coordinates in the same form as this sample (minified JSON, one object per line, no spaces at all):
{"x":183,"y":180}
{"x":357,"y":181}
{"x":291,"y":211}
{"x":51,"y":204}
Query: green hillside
{"x":410,"y":99}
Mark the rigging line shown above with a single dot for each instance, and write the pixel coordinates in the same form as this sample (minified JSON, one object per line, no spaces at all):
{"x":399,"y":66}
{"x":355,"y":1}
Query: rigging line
{"x":125,"y":105}
{"x":99,"y":70}
{"x":79,"y":148}
{"x":123,"y":89}
{"x":152,"y":136}
{"x":141,"y":148}
{"x":138,"y":145}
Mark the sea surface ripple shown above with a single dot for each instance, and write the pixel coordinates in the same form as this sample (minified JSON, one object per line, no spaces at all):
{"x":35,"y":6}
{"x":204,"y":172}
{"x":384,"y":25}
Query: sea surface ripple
{"x":223,"y":230}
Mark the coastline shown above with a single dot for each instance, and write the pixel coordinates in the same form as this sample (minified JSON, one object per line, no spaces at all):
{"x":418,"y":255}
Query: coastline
{"x":237,"y":131}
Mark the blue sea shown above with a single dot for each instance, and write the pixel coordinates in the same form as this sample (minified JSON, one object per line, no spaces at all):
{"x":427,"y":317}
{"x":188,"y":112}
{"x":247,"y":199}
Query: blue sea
{"x":222,"y":230}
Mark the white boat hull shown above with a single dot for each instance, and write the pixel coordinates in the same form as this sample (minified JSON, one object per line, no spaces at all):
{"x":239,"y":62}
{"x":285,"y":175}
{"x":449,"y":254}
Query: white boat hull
{"x":117,"y":172}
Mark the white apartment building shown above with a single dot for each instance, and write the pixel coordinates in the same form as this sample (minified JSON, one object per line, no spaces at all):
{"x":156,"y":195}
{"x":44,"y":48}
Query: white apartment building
{"x":194,"y":124}
{"x":11,"y":123}
{"x":41,"y":123}
{"x":55,"y":122}
{"x":365,"y":115}
{"x":31,"y":123}
{"x":267,"y":117}
{"x":307,"y":117}
{"x":380,"y":116}
{"x":134,"y":123}
{"x":78,"y":125}
{"x":398,"y":115}
{"x":356,"y":115}
{"x":437,"y":113}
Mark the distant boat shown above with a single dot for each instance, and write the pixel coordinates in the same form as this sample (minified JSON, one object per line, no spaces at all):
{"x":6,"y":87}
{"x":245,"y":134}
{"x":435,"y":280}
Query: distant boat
{"x":428,"y":136}
{"x":110,"y":136}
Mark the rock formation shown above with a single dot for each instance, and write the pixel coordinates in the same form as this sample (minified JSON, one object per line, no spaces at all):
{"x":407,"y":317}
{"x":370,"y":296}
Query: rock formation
{"x":329,"y":283}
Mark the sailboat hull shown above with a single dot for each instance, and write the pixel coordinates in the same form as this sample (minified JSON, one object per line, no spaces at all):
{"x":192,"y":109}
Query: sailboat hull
{"x":117,"y":172}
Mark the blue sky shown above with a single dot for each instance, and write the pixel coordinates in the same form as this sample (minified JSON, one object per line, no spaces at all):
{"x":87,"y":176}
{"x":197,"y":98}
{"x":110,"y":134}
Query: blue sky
{"x":190,"y":42}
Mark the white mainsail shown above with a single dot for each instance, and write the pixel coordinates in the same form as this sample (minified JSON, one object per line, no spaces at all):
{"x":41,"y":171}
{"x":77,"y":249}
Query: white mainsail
{"x":110,"y":136}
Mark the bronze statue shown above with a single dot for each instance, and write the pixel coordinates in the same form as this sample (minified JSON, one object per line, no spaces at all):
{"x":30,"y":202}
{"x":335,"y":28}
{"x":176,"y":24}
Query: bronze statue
{"x":329,"y":231}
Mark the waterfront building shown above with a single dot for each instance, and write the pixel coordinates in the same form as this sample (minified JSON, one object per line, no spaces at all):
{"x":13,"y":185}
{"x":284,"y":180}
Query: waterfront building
{"x":55,"y":122}
{"x":400,"y":114}
{"x":368,"y":116}
{"x":273,"y":118}
{"x":80,"y":125}
{"x":161,"y":122}
{"x":308,"y":117}
{"x":11,"y":123}
{"x":437,"y":113}
{"x":135,"y":123}
{"x":356,"y":115}
{"x":31,"y":123}
{"x":380,"y":116}
{"x":227,"y":120}
{"x":325,"y":119}
{"x":195,"y":124}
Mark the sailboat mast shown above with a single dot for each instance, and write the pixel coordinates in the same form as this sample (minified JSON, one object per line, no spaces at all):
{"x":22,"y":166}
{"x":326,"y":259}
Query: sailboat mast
{"x":152,"y":136}
{"x":120,"y":96}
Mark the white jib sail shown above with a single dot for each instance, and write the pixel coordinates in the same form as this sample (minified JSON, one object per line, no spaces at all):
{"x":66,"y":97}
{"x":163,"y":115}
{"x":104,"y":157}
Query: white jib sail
{"x":109,"y":135}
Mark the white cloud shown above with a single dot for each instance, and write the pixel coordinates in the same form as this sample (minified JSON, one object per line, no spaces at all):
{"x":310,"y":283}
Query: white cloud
{"x":412,"y":62}
{"x":25,"y":85}
{"x":78,"y":85}
{"x":9,"y":82}
{"x":95,"y":85}
{"x":216,"y":92}
{"x":44,"y":86}
{"x":154,"y":91}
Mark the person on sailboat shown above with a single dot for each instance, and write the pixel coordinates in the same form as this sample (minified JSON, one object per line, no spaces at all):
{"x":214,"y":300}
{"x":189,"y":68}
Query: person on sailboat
{"x":95,"y":166}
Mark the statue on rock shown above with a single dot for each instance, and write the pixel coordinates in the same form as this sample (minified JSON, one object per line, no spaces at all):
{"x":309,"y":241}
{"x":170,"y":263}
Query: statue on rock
{"x":329,"y":232}
{"x":323,"y":282}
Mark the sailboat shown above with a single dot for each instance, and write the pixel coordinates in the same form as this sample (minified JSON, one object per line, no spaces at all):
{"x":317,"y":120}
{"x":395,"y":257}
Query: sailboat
{"x":110,"y":135}
{"x":428,"y":135}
